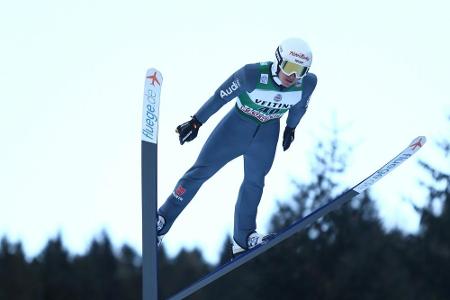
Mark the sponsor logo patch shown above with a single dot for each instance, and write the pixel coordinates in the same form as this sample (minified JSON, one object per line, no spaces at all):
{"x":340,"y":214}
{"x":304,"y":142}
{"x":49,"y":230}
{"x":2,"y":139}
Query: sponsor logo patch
{"x":260,"y":116}
{"x":179,"y":192}
{"x":264,"y":79}
{"x":229,"y":90}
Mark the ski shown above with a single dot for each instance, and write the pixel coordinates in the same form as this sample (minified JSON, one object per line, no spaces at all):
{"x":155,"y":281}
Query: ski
{"x":149,"y":169}
{"x":333,"y":204}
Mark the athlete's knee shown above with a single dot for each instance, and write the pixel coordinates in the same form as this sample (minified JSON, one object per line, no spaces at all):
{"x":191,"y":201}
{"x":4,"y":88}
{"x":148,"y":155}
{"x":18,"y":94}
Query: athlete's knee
{"x":200,"y":172}
{"x":255,"y":182}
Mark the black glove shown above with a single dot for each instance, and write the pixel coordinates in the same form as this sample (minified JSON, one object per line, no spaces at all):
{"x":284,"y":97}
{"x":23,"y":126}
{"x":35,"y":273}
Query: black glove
{"x":288,"y":137}
{"x":189,"y":130}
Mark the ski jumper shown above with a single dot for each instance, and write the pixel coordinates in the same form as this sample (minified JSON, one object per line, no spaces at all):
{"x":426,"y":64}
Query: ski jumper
{"x":250,"y":129}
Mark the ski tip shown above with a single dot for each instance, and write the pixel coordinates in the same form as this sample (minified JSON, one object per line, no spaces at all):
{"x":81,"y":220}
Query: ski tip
{"x":418,"y":142}
{"x":154,"y":76}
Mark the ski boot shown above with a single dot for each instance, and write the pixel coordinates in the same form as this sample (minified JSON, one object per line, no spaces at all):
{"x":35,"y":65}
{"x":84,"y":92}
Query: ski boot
{"x":160,"y":222}
{"x":253,"y":240}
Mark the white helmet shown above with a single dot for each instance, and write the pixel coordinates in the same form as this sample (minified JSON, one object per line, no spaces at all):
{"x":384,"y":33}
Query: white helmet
{"x":293,"y":57}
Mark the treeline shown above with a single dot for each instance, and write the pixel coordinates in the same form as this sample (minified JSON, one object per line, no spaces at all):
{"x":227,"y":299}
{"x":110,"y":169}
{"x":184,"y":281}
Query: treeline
{"x":345,"y":255}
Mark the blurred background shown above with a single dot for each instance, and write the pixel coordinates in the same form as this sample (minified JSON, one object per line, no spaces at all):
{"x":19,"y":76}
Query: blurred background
{"x":71,"y":91}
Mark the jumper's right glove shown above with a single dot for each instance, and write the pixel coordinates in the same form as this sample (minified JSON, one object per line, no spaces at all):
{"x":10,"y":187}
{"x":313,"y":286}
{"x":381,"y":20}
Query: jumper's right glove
{"x":188,"y":130}
{"x":288,"y":137}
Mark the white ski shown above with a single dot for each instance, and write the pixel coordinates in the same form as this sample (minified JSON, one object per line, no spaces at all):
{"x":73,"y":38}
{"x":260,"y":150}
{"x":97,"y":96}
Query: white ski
{"x":149,"y":171}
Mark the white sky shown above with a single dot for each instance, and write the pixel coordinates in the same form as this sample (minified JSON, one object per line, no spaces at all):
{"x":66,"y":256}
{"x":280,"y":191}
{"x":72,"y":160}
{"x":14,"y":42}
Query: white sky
{"x":71,"y":84}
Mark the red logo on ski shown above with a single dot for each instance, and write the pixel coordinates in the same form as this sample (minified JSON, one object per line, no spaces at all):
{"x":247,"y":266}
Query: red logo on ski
{"x":416,"y":144}
{"x":154,"y":79}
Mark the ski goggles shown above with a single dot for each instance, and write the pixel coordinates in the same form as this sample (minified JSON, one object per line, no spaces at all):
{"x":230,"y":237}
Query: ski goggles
{"x":290,"y":68}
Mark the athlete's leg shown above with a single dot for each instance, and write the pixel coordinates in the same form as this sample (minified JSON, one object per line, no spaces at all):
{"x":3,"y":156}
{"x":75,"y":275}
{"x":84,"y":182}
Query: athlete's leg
{"x":258,"y":160}
{"x":227,"y":141}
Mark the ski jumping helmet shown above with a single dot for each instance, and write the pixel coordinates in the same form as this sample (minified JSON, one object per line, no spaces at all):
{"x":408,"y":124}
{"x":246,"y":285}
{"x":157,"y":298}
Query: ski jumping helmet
{"x":293,"y":57}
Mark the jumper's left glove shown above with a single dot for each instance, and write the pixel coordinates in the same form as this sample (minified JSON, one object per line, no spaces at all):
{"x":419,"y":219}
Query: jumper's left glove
{"x":288,"y":137}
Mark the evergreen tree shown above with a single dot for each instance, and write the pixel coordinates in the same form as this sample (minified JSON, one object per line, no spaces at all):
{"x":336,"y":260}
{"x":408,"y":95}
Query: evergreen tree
{"x":432,"y":255}
{"x":176,"y":274}
{"x":129,"y":276}
{"x":345,"y":255}
{"x":55,"y":272}
{"x":96,"y":271}
{"x":17,"y":280}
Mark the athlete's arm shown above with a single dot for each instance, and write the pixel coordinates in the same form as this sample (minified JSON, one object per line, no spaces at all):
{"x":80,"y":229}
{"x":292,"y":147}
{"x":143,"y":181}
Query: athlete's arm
{"x":298,"y":110}
{"x":244,"y":79}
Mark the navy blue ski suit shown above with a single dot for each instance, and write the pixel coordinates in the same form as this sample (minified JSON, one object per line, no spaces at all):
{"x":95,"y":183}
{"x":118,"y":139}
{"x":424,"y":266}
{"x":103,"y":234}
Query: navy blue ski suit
{"x":250,"y":129}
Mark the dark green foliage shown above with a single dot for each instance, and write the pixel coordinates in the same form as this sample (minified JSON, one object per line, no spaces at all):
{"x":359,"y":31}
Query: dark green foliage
{"x":18,"y":279}
{"x":348,"y":254}
{"x":55,"y":271}
{"x":184,"y":269}
{"x":345,"y":255}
